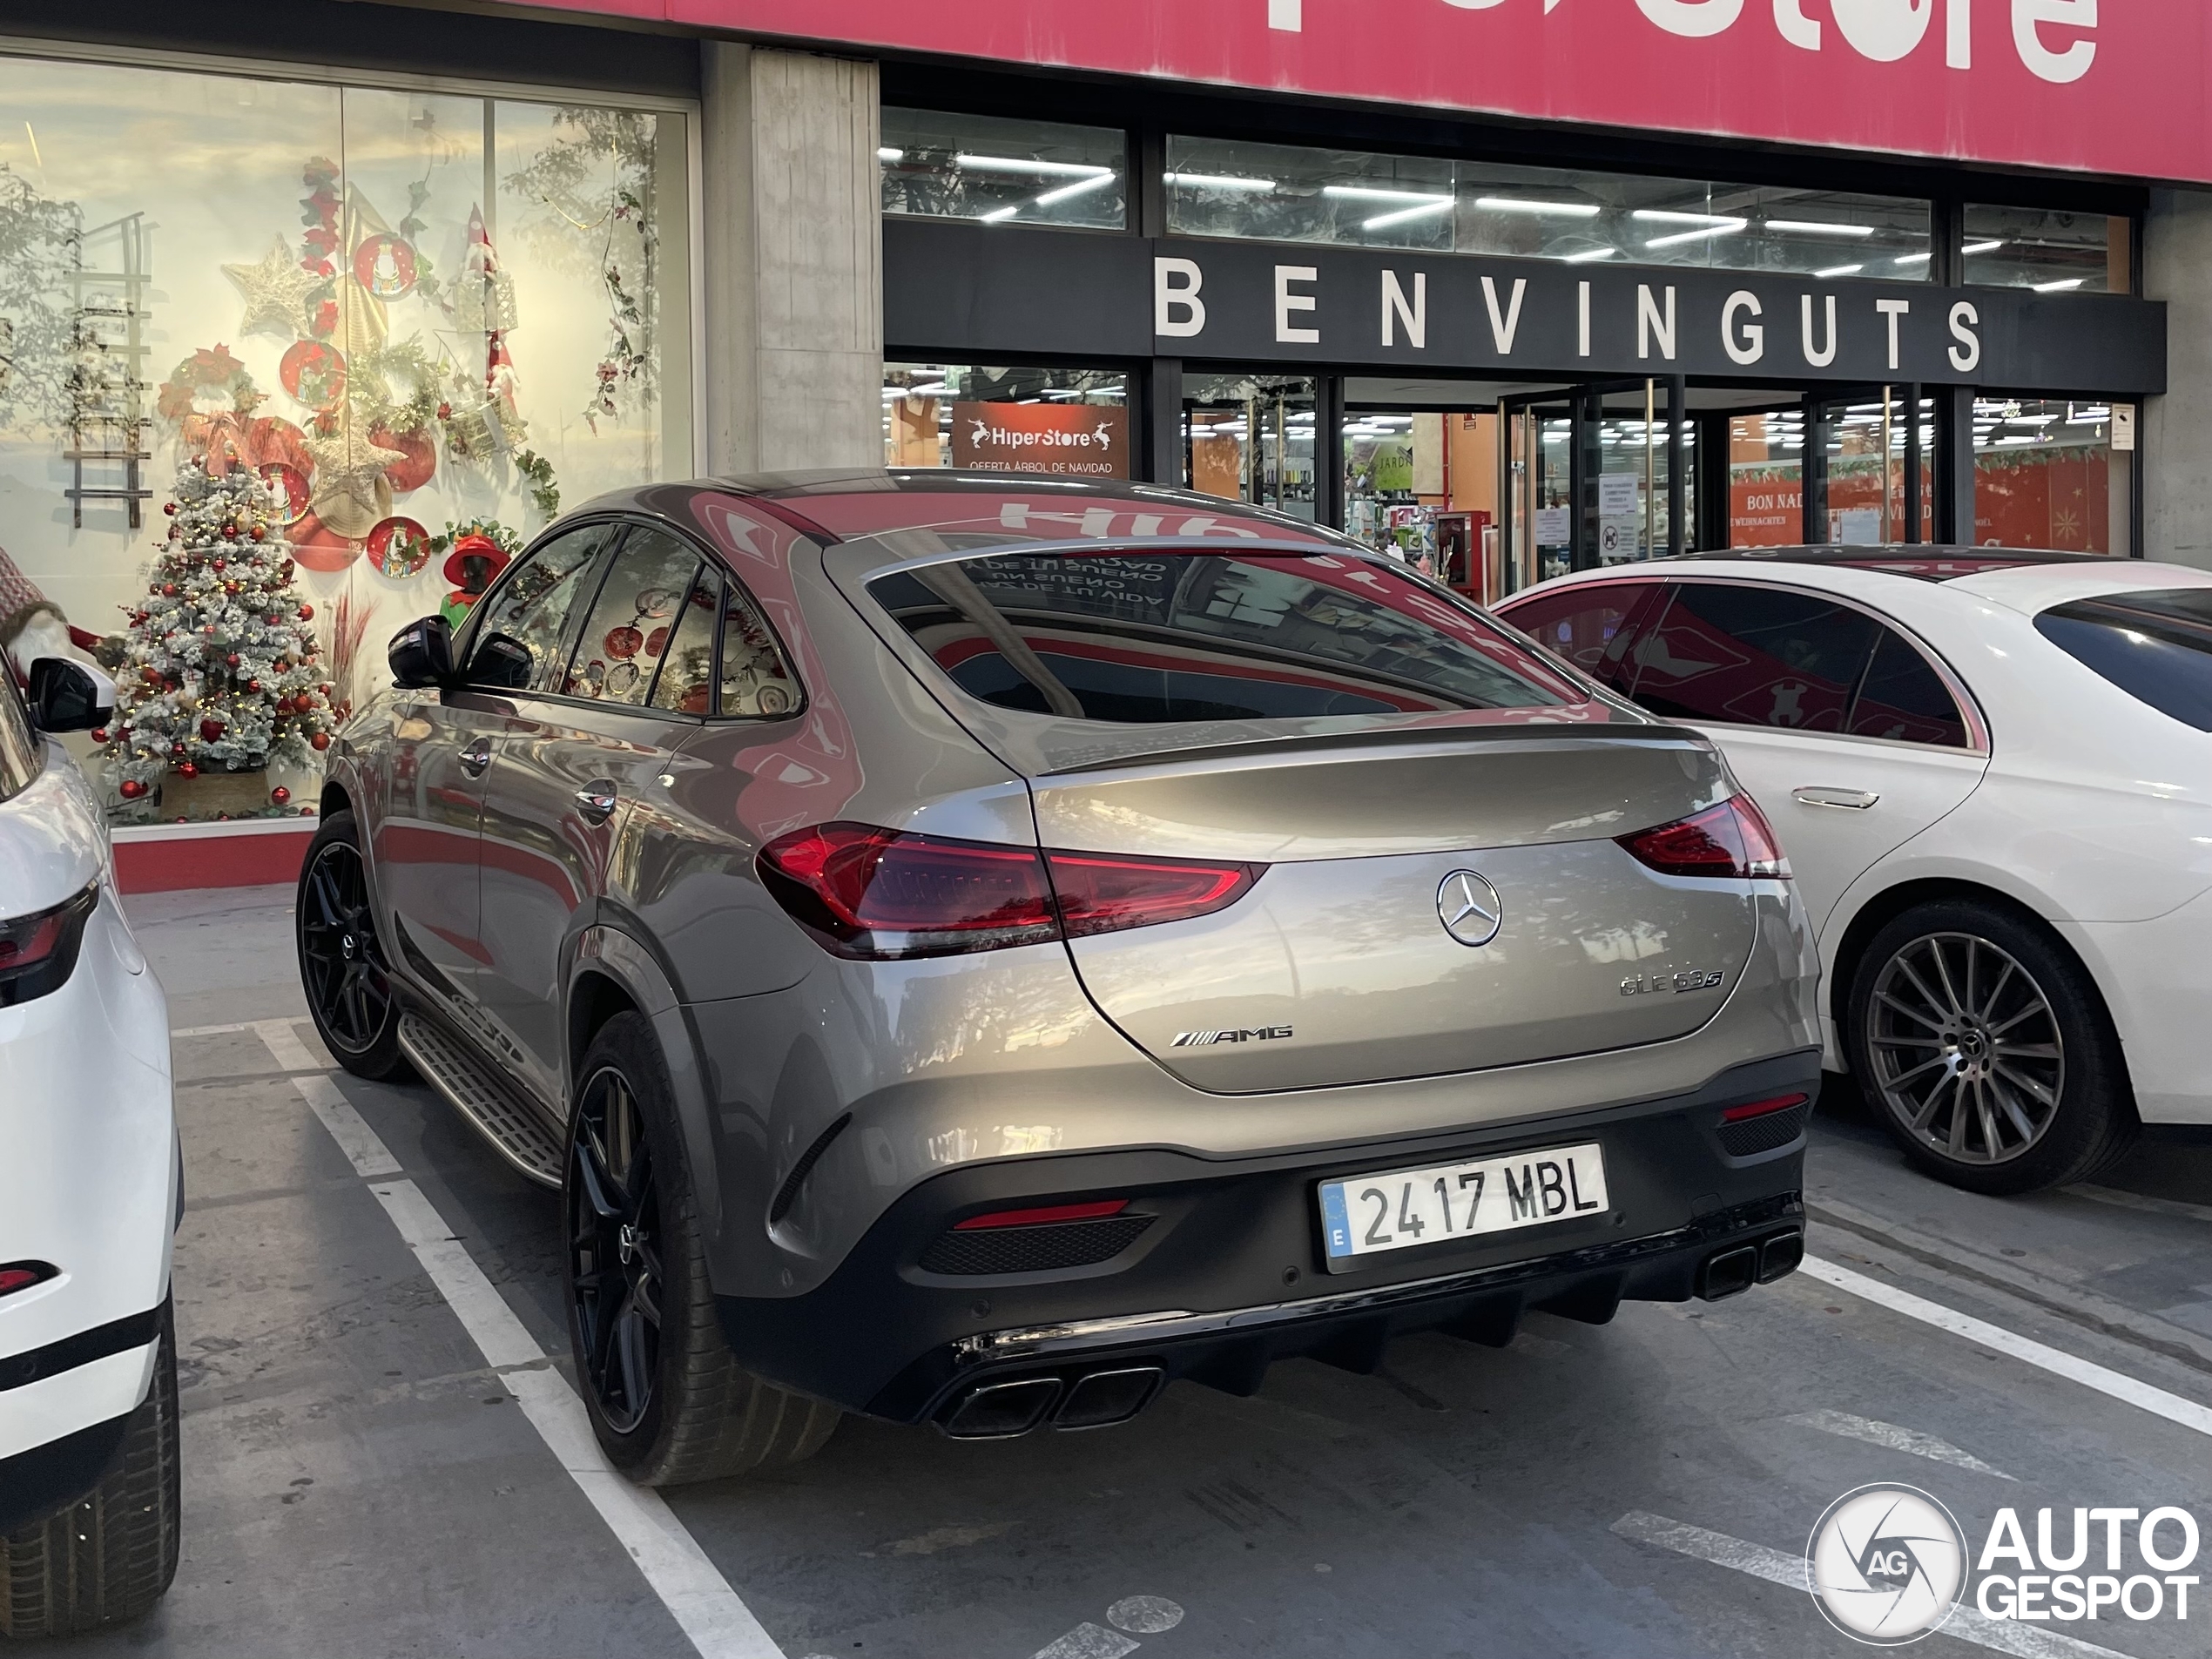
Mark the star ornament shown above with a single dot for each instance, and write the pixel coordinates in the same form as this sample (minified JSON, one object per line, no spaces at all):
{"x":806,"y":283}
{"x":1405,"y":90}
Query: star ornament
{"x":276,"y":292}
{"x":350,"y":494}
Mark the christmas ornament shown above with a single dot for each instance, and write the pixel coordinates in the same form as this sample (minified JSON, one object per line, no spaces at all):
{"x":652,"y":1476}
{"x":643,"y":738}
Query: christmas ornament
{"x":314,"y":373}
{"x":280,"y":794}
{"x":399,"y":547}
{"x":210,"y":730}
{"x":130,"y":789}
{"x":276,"y":292}
{"x":185,"y":769}
{"x":384,"y":265}
{"x":320,"y":741}
{"x":351,"y":494}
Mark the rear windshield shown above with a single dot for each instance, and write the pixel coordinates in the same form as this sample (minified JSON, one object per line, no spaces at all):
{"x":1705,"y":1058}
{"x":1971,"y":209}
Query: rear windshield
{"x":2156,"y":647}
{"x":1144,"y":639}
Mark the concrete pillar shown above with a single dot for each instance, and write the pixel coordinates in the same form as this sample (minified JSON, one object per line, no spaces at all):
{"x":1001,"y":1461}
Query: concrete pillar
{"x":2177,"y":484}
{"x":793,"y":261}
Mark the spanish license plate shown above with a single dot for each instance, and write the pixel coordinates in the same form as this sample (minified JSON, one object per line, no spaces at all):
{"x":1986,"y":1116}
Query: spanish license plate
{"x":1369,"y":1214}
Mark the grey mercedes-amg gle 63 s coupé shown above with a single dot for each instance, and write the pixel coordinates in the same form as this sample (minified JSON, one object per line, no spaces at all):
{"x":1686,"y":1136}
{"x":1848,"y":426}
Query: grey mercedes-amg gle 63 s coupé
{"x":972,"y":949}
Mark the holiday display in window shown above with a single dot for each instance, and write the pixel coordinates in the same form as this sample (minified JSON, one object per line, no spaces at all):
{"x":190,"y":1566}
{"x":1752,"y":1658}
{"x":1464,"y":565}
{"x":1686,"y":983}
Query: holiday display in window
{"x":220,"y":670}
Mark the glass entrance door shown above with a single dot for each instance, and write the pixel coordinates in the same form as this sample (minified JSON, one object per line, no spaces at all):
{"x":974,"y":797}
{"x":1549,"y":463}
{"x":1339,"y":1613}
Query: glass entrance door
{"x":1592,"y":475}
{"x":1251,"y":438}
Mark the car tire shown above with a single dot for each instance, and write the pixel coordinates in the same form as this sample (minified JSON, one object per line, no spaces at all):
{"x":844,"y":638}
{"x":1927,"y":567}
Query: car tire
{"x":1984,"y":1046}
{"x":668,"y":1400}
{"x":108,"y":1558}
{"x":349,"y":988}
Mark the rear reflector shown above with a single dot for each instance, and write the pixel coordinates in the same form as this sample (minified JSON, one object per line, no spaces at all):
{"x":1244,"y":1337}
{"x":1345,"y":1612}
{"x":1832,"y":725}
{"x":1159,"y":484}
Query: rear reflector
{"x":21,"y":1276}
{"x":876,"y":894}
{"x":1732,"y":840}
{"x":1762,"y":1108}
{"x":1044,"y":1216}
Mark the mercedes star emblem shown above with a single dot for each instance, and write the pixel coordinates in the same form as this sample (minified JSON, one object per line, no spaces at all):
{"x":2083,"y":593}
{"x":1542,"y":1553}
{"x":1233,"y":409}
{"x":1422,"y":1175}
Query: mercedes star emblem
{"x":1469,"y":907}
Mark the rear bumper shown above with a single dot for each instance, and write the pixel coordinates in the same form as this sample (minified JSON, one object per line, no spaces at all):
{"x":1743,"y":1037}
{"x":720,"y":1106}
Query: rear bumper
{"x":1228,"y":1274}
{"x":2157,"y":979}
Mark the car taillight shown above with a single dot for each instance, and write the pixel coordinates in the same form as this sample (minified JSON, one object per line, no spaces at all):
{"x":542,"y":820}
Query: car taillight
{"x":1750,"y":1110}
{"x":21,"y":1276}
{"x":38,"y":953}
{"x":1732,"y":839}
{"x":877,"y":894}
{"x":1045,"y":1216}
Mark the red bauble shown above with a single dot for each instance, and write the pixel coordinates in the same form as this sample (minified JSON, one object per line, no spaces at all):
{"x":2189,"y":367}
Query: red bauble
{"x":230,"y":534}
{"x":131,"y":789}
{"x":187,"y":770}
{"x":320,"y":741}
{"x":306,"y":613}
{"x":253,"y":685}
{"x":210,"y":730}
{"x":260,"y":533}
{"x":306,"y":811}
{"x":170,"y":508}
{"x":280,"y":794}
{"x":217,"y":565}
{"x":231,"y":661}
{"x":168,"y":589}
{"x":99,"y":734}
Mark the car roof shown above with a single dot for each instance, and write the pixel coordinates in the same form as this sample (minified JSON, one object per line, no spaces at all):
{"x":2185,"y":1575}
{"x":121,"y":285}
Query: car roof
{"x":1925,"y":562}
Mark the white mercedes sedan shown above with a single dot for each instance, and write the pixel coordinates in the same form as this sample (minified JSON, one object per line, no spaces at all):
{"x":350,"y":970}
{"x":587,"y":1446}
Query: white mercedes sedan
{"x":1992,"y":772}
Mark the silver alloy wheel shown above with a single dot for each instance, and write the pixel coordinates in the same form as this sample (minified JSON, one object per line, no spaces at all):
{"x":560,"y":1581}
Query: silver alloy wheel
{"x":1967,"y":1052}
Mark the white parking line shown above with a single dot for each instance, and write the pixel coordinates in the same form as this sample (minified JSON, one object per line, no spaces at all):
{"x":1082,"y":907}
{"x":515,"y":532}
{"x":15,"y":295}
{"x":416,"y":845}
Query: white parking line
{"x":1897,"y":1440}
{"x":1779,"y":1567}
{"x":710,"y":1612}
{"x":2141,"y":1395}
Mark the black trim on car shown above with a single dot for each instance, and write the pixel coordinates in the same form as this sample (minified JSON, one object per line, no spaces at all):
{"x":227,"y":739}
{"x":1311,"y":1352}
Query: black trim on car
{"x":47,"y":1478}
{"x":117,"y":1336}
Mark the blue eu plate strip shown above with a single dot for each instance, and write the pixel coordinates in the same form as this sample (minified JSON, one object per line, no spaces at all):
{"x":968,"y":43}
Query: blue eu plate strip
{"x":1334,"y":1219}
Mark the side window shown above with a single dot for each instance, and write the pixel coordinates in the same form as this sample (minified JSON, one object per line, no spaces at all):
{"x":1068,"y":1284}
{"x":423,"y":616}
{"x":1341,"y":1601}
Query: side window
{"x":685,"y":683}
{"x":1592,"y":625}
{"x":533,"y":607}
{"x":1905,"y":699}
{"x":1753,"y":655}
{"x":627,"y":632}
{"x":756,"y":683}
{"x":20,"y":749}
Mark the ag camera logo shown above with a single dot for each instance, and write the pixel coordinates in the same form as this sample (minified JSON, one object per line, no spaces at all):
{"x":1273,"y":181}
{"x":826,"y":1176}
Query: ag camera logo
{"x":1887,"y":1565}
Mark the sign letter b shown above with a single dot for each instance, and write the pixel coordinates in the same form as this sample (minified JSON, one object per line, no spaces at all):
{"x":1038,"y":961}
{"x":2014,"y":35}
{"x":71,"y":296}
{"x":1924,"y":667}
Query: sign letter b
{"x":1178,"y":313}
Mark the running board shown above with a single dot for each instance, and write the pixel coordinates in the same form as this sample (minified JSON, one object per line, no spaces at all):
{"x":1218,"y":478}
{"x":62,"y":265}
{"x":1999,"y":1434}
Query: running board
{"x":516,"y":1133}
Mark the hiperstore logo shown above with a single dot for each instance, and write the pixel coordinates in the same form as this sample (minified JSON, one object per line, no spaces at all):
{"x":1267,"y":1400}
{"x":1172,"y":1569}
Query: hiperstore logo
{"x":1887,"y":1565}
{"x":1884,"y":30}
{"x":988,"y":433}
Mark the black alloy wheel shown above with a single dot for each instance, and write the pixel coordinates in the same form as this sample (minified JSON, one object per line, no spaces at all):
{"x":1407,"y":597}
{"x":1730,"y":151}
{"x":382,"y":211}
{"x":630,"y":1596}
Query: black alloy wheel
{"x":342,"y":969}
{"x":614,"y":1252}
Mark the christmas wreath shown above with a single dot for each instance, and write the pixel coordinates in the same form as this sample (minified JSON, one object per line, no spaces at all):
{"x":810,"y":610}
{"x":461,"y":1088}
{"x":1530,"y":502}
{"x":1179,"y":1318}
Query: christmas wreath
{"x":204,"y":373}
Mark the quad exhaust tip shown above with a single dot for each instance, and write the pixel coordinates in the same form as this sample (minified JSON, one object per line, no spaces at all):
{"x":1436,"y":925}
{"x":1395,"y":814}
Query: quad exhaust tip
{"x":1733,"y":1271}
{"x":1006,"y":1410}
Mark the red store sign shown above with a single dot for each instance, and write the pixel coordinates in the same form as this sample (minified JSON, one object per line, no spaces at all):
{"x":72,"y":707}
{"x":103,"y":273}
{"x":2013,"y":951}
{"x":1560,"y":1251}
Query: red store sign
{"x":2113,"y":88}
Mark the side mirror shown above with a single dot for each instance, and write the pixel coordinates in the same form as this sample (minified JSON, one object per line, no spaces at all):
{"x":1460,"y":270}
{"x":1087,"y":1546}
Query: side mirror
{"x":422,"y":655}
{"x":66,"y":695}
{"x":502,"y":663}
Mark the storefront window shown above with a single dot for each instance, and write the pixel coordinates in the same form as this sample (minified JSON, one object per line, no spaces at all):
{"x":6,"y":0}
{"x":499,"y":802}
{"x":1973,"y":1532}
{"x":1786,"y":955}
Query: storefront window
{"x":1002,"y":171}
{"x":2049,"y":474}
{"x":403,"y":314}
{"x":2050,"y":253}
{"x":1219,"y":187}
{"x":1066,"y":423}
{"x":1251,"y":438}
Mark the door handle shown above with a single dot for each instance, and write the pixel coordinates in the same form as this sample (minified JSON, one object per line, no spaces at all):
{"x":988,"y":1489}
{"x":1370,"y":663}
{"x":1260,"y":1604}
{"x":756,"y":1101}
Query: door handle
{"x":476,"y":757}
{"x":597,"y":801}
{"x":1852,"y":801}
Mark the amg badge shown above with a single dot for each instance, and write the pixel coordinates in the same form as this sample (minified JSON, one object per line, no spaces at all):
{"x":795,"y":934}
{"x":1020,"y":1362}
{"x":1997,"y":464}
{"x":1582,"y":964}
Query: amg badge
{"x":1203,"y":1039}
{"x":1653,"y":984}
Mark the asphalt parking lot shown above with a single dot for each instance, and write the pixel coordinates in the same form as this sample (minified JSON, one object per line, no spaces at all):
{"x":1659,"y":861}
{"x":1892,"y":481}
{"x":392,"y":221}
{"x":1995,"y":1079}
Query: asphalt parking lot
{"x":380,"y":1462}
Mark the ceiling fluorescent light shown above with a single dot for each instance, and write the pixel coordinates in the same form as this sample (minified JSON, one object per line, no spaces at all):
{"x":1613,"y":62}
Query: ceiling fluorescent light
{"x":1840,"y":270}
{"x":890,"y":155}
{"x":1913,"y":258}
{"x":2057,"y":288}
{"x":1679,"y":236}
{"x":1022,"y":164}
{"x":1983,"y":247}
{"x":1813,"y":227}
{"x":1517,"y":204}
{"x":1000,"y":215}
{"x":1591,"y":255}
{"x":1077,"y":189}
{"x":1404,"y":214}
{"x":1668,"y":216}
{"x":1363,"y":193}
{"x":1216,"y":181}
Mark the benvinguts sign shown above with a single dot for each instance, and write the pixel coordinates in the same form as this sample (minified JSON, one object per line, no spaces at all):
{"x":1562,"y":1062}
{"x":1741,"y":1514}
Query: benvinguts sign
{"x":2117,"y":87}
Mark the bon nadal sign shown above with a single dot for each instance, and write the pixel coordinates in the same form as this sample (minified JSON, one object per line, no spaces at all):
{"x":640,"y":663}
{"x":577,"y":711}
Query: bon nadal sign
{"x":2117,"y":87}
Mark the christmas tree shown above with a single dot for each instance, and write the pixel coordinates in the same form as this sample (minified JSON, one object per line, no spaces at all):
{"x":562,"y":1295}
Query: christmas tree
{"x":220,"y":670}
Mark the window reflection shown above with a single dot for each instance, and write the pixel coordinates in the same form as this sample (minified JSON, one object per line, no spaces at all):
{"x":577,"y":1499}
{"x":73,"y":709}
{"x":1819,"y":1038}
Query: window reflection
{"x":1002,"y":171}
{"x":2049,"y":252}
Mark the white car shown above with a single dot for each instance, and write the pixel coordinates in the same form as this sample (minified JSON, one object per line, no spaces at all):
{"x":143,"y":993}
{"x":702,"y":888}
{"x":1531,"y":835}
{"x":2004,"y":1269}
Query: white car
{"x":90,"y":1188}
{"x":1991,"y":773}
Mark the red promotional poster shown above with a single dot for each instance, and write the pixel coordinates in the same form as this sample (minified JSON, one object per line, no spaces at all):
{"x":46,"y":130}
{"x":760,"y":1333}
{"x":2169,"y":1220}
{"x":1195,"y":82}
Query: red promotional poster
{"x":1066,"y":440}
{"x":2058,"y":83}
